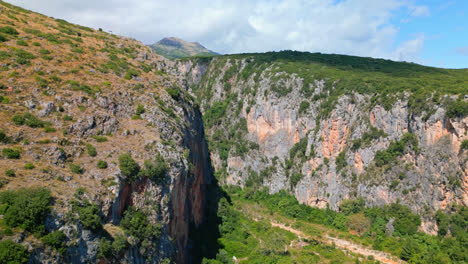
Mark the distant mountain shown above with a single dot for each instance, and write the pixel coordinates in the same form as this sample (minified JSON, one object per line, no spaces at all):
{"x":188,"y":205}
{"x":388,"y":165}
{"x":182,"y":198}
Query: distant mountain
{"x":172,"y":48}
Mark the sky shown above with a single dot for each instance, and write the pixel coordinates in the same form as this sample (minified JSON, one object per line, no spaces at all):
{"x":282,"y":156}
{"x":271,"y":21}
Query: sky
{"x":430,"y":32}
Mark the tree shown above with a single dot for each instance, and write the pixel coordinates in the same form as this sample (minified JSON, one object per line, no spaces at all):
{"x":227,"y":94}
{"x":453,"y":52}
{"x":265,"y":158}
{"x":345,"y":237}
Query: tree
{"x":26,"y":208}
{"x":11,"y":253}
{"x":129,"y":168}
{"x":409,"y":249}
{"x":358,"y":222}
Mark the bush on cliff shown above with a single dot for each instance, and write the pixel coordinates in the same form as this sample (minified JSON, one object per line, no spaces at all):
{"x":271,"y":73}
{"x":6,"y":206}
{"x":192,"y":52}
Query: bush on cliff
{"x":129,"y":168}
{"x":11,"y":252}
{"x":26,"y":208}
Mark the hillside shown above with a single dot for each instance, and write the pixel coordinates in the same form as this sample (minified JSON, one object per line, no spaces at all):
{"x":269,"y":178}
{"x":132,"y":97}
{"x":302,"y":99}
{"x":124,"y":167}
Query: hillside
{"x":94,"y":122}
{"x":173,"y":48}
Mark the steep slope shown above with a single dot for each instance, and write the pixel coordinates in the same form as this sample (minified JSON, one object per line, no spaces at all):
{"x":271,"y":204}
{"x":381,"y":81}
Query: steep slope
{"x":93,"y":121}
{"x":173,"y":48}
{"x":332,"y":127}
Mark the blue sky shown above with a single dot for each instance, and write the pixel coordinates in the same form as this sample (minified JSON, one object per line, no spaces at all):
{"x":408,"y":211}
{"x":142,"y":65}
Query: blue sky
{"x":444,"y":29}
{"x":432,"y":32}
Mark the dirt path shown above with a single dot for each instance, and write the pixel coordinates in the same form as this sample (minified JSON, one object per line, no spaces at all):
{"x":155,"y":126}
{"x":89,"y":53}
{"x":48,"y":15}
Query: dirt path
{"x":344,"y":244}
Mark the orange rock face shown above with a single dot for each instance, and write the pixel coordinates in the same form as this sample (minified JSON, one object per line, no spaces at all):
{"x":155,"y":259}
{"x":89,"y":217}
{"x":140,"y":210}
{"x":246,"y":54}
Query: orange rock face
{"x":334,"y":134}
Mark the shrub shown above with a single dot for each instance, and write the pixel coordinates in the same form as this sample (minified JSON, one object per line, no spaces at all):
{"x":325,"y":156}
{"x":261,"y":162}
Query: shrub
{"x":37,"y":44}
{"x":155,"y":169}
{"x":29,"y":120}
{"x":100,"y":138}
{"x":140,"y":110}
{"x":88,"y":215}
{"x":358,"y":223}
{"x":18,"y":120}
{"x":55,"y":240}
{"x":352,"y":206}
{"x":10,"y":173}
{"x":67,"y":118}
{"x":131,"y":73}
{"x":101,"y":164}
{"x":49,"y":129}
{"x":21,"y":42}
{"x":23,"y":57}
{"x":174,"y":92}
{"x":76,"y":169}
{"x":26,"y":208}
{"x":129,"y":168}
{"x":44,"y":52}
{"x":340,"y":161}
{"x":3,"y":38}
{"x":464,"y":145}
{"x":11,"y":153}
{"x":136,"y":224}
{"x":295,"y":179}
{"x":11,"y":252}
{"x":457,"y":108}
{"x":105,"y":248}
{"x":91,"y":150}
{"x":4,"y":138}
{"x":304,"y":107}
{"x":9,"y":30}
{"x":29,"y":166}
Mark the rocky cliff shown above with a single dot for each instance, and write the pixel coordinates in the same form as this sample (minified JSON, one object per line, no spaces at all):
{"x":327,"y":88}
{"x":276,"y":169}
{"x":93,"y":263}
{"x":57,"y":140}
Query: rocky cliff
{"x":327,"y":131}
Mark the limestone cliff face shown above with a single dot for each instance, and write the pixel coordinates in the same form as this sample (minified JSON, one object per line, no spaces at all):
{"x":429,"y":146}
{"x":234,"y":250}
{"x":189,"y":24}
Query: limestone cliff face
{"x":333,"y":167}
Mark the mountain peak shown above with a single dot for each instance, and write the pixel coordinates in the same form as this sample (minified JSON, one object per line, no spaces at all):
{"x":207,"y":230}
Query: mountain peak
{"x":172,"y":47}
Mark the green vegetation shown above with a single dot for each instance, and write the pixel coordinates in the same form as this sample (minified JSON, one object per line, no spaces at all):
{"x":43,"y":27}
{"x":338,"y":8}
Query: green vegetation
{"x":396,"y":149}
{"x":341,"y":161}
{"x":9,"y":30}
{"x":56,"y":240}
{"x":366,"y":140}
{"x":29,"y":166}
{"x":50,"y":129}
{"x":304,"y":107}
{"x":100,"y":139}
{"x":92,"y":152}
{"x":174,"y":92}
{"x":26,"y":208}
{"x":101,"y":164}
{"x":213,"y":114}
{"x":29,"y":120}
{"x":109,"y":249}
{"x":129,"y":168}
{"x":76,"y":168}
{"x":12,"y":253}
{"x":10,"y":173}
{"x":88,"y":214}
{"x":4,"y":138}
{"x":11,"y":153}
{"x":136,"y":224}
{"x":155,"y":169}
{"x":253,"y":240}
{"x":23,"y":57}
{"x":21,"y":42}
{"x":457,"y":108}
{"x":464,"y":145}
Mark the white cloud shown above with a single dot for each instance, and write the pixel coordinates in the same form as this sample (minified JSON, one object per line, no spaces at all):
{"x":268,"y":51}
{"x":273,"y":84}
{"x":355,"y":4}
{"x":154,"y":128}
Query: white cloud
{"x":419,"y":11}
{"x":356,"y":27}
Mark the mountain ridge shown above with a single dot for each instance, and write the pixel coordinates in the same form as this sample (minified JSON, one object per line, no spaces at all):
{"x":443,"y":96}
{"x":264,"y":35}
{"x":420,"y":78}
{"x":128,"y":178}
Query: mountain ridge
{"x":172,"y":48}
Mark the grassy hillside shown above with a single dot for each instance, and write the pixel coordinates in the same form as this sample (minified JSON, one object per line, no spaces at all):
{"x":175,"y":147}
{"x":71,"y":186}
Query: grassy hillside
{"x":261,"y":228}
{"x":73,"y":100}
{"x":173,"y":48}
